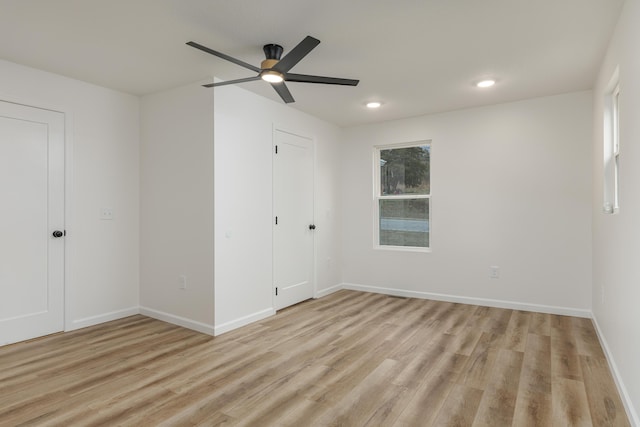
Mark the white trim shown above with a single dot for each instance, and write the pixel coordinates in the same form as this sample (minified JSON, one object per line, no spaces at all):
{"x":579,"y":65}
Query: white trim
{"x":69,"y":208}
{"x":624,"y":394}
{"x":274,"y":130}
{"x":403,"y":248}
{"x":404,"y":197}
{"x":177,"y":320}
{"x":243,"y":321}
{"x":314,"y":188}
{"x":102,"y":318}
{"x":611,"y":144}
{"x":538,"y":308}
{"x":393,"y":145}
{"x":328,"y":291}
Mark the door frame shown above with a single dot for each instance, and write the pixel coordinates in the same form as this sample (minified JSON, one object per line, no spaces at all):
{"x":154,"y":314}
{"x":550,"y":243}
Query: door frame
{"x":68,"y":189}
{"x":287,"y":129}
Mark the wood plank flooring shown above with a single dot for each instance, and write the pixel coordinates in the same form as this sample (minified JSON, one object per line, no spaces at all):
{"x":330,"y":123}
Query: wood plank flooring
{"x":349,"y":359}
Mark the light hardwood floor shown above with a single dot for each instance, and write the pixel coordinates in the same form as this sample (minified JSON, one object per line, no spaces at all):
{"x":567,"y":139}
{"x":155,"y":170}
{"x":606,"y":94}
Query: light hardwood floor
{"x":349,"y":359}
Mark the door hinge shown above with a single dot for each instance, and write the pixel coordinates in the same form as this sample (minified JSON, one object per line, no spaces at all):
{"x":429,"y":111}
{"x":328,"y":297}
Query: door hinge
{"x":276,"y":149}
{"x":276,"y":291}
{"x":276,"y":220}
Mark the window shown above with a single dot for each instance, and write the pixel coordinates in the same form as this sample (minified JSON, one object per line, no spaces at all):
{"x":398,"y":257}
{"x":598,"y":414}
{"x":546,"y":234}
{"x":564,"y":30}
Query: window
{"x":616,"y":145}
{"x":612,"y":147}
{"x":403,"y":196}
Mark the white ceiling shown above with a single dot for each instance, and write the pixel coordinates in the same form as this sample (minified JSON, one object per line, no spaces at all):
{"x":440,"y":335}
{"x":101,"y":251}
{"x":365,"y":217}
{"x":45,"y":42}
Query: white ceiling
{"x":416,"y":56}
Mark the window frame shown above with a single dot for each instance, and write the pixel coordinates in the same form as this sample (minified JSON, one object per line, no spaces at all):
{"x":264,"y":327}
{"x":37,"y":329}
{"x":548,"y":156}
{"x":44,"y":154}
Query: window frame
{"x":615,"y":135}
{"x":377,"y":196}
{"x":611,"y":146}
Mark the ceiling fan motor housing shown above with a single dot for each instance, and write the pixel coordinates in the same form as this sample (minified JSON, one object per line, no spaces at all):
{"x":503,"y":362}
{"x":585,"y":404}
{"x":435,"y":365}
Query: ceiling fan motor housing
{"x":273,"y":53}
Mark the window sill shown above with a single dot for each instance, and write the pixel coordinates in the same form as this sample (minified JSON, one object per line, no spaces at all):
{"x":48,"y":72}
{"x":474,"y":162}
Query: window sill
{"x":402,"y":249}
{"x":610,"y":211}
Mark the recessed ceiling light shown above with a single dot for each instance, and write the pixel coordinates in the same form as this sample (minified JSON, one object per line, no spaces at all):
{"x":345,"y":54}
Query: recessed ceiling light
{"x":373,"y":104}
{"x":486,"y":83}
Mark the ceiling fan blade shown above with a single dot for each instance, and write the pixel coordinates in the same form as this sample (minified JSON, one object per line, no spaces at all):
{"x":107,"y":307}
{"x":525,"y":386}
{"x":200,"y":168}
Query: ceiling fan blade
{"x":283,"y":91}
{"x":296,"y":54}
{"x":232,"y":82}
{"x":223,"y":56}
{"x":304,"y":78}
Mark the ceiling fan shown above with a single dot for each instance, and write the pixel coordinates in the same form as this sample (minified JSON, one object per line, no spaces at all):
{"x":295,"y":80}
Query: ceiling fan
{"x":276,"y":70}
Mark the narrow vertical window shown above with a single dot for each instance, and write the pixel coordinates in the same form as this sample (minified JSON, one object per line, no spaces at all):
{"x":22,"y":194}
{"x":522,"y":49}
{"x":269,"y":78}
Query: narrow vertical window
{"x":403,"y":196}
{"x":616,"y":146}
{"x":612,"y":146}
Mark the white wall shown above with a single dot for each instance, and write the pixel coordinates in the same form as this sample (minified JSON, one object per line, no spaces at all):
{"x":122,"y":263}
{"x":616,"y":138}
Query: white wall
{"x":616,"y":238}
{"x":176,"y":206}
{"x":243,"y":203}
{"x":102,"y":171}
{"x":511,"y":187}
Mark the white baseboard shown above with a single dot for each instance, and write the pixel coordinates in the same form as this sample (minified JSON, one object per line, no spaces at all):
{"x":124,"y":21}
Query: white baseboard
{"x":565,"y":311}
{"x":178,"y":320}
{"x":243,"y":321}
{"x":101,"y":318}
{"x":624,"y":394}
{"x":328,"y":291}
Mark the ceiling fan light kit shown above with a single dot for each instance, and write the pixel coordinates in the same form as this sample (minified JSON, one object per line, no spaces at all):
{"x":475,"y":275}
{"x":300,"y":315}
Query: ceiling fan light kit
{"x":276,"y":70}
{"x":271,"y":76}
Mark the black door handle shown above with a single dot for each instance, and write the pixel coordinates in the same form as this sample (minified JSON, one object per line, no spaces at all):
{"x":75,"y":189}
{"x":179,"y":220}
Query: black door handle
{"x":312,"y":227}
{"x":58,"y":233}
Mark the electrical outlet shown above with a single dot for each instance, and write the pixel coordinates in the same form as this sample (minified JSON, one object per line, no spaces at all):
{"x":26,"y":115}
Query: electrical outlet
{"x":106,"y":213}
{"x":494,"y":272}
{"x":183,"y":281}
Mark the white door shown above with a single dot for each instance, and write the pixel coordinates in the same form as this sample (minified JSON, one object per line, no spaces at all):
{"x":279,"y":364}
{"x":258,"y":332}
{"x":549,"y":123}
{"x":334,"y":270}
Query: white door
{"x":31,"y":210}
{"x":293,"y":223}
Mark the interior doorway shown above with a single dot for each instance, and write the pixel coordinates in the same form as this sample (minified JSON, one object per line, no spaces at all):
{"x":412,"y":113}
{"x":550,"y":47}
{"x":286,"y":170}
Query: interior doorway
{"x":32,"y":228}
{"x":294,"y":228}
